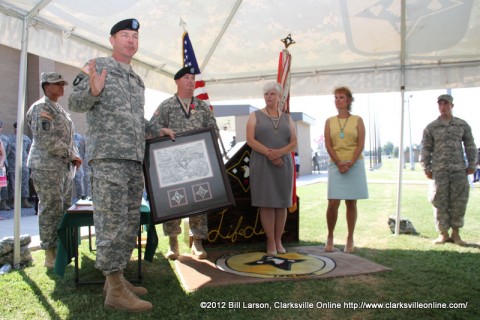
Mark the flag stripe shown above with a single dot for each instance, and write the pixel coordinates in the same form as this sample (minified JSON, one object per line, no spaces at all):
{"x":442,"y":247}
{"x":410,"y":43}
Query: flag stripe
{"x":283,"y":78}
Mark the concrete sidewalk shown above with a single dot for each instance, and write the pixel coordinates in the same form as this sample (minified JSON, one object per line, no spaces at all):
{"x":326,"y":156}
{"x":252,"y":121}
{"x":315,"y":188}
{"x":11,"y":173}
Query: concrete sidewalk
{"x":28,"y":226}
{"x":311,"y":178}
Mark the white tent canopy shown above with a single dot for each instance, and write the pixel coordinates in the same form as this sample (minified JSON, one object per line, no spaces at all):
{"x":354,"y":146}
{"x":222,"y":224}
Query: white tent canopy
{"x":358,"y":43}
{"x":369,"y":45}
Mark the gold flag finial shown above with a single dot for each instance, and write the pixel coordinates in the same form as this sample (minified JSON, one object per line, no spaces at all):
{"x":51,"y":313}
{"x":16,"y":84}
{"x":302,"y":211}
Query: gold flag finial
{"x":288,"y":41}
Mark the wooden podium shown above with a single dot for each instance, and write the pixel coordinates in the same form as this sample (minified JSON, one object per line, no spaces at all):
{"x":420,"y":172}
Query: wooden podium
{"x":241,"y":224}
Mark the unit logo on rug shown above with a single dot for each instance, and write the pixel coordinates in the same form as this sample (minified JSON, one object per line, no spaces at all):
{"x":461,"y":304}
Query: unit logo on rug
{"x":261,"y":265}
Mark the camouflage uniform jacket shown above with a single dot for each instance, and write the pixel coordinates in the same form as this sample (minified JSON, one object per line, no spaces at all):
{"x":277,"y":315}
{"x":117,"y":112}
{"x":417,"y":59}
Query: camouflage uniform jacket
{"x":170,"y":114}
{"x":115,"y":118}
{"x":442,"y":146}
{"x":52,"y":131}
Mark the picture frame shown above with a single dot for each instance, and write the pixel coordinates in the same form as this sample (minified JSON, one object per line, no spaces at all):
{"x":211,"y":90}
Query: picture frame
{"x":186,"y":176}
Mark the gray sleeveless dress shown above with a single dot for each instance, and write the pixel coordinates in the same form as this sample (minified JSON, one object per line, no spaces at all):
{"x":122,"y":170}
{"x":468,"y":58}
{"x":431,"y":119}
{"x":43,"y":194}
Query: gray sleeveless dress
{"x":271,"y":187}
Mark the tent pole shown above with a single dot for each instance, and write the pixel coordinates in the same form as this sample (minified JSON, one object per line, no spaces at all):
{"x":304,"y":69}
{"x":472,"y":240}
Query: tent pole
{"x":402,"y":90}
{"x":232,"y":14}
{"x":400,"y":167}
{"x":22,"y":82}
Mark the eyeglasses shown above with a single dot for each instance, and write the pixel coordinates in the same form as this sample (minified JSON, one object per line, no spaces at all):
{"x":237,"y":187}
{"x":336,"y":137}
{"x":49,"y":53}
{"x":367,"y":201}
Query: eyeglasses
{"x":57,"y":83}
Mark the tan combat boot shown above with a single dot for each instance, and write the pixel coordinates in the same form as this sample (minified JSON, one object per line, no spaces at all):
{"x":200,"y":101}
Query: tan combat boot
{"x":442,"y":238}
{"x":173,"y":252}
{"x":456,"y":238}
{"x":139,"y":291}
{"x":50,"y":255}
{"x":197,"y":249}
{"x":26,"y":204}
{"x":120,"y":298}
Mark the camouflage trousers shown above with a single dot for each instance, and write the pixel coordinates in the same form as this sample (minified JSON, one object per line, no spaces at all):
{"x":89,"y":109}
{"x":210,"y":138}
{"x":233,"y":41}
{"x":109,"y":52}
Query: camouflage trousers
{"x":11,"y":183}
{"x":198,"y":227}
{"x":117,"y":188}
{"x":449,"y":198}
{"x":54,"y":190}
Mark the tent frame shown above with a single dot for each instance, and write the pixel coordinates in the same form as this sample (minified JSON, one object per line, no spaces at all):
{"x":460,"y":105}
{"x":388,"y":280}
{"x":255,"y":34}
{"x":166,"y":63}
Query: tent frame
{"x":32,"y":19}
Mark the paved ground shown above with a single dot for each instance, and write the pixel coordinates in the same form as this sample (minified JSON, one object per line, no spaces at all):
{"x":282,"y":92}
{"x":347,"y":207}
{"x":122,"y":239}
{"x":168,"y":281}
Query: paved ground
{"x":24,"y":212}
{"x":28,"y":225}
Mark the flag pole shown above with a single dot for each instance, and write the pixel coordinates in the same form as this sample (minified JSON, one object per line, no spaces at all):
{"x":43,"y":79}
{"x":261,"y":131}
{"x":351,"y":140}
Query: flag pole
{"x":223,"y":148}
{"x":283,"y":78}
{"x":183,"y":24}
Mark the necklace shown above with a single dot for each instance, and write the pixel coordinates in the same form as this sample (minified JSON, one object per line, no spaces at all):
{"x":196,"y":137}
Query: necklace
{"x":186,"y":108}
{"x":275,"y":121}
{"x":342,"y":135}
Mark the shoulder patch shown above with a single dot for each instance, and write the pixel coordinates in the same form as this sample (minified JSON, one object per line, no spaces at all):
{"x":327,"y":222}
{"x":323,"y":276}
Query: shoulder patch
{"x":46,"y":125}
{"x":78,"y":79}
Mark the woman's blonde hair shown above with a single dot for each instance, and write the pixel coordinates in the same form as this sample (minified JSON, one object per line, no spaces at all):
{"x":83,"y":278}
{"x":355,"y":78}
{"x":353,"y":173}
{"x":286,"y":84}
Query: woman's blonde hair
{"x":347,"y":92}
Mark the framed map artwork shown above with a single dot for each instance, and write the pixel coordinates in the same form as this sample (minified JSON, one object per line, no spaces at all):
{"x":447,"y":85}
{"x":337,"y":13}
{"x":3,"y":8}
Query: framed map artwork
{"x":186,"y":176}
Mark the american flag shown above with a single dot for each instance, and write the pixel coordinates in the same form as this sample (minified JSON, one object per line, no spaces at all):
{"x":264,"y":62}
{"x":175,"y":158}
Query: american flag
{"x":189,"y":60}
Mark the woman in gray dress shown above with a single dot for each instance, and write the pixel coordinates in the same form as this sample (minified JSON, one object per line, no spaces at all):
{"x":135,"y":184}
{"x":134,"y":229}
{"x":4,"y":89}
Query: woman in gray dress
{"x":271,"y":134}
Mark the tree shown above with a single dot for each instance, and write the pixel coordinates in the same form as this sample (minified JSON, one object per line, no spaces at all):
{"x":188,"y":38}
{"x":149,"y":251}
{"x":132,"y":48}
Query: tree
{"x":388,"y":148}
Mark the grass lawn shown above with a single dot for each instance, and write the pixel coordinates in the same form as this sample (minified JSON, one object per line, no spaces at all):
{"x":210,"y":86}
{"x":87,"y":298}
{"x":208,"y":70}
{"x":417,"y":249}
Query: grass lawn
{"x":421,"y":272}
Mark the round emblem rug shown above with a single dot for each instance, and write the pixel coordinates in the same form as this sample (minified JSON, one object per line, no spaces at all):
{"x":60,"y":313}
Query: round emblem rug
{"x":262,"y":265}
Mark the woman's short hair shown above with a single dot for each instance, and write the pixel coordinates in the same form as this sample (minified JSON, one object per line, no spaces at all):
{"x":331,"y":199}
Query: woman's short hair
{"x":348,"y":93}
{"x":272,"y":85}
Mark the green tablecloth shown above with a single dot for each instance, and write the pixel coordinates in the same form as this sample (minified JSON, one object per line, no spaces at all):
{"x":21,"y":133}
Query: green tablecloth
{"x":65,"y":243}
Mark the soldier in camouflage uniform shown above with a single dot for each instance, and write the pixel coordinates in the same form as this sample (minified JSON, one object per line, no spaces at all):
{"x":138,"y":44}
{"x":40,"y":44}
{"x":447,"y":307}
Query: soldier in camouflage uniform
{"x":51,"y":160}
{"x":112,"y":95}
{"x":180,"y":113}
{"x":6,"y":147}
{"x":443,"y":161}
{"x":79,"y":142}
{"x":25,"y":193}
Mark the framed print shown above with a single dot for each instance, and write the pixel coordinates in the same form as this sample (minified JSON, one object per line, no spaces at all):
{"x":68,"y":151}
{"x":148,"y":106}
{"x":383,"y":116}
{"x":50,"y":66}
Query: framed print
{"x":185,"y":177}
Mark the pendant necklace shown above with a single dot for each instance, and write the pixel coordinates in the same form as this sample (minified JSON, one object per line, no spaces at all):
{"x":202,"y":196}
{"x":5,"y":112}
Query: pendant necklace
{"x":342,"y":135}
{"x":186,"y":108}
{"x":275,"y":121}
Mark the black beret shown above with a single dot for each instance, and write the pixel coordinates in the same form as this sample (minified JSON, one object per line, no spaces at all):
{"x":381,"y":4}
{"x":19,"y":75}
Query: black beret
{"x":180,"y":73}
{"x":127,"y":24}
